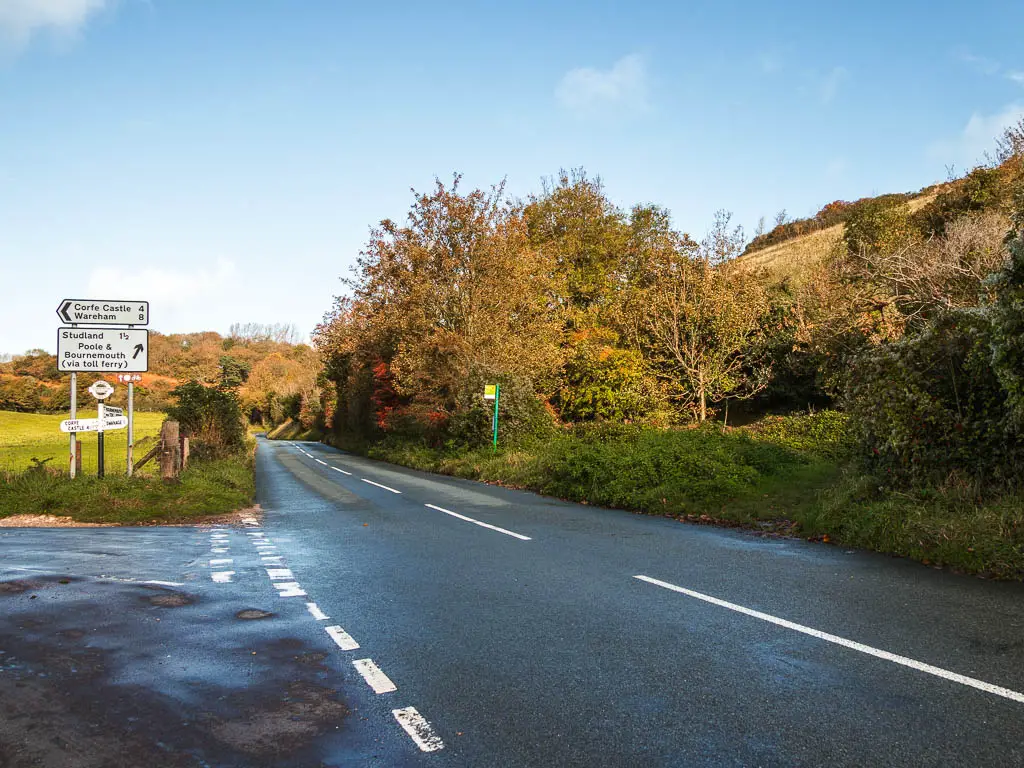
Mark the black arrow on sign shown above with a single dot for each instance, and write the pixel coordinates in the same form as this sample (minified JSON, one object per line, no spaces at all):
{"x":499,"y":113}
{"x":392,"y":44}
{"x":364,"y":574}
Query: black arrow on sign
{"x":63,"y":311}
{"x":138,"y":348}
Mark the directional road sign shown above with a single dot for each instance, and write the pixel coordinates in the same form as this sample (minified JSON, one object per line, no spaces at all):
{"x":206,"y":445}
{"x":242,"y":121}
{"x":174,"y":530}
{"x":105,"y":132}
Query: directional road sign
{"x":103,"y":350}
{"x":104,"y":312}
{"x":101,"y":390}
{"x":110,"y":411}
{"x":80,"y":425}
{"x":93,"y":425}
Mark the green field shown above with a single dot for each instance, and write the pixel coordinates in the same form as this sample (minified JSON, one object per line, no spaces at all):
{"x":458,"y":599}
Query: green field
{"x":28,"y":436}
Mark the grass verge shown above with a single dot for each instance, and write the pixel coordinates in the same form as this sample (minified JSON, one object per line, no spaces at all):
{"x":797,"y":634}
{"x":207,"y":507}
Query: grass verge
{"x":205,"y":488}
{"x":293,"y":430}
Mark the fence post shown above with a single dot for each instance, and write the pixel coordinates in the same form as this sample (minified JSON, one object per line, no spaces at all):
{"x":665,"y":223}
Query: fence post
{"x":169,"y":450}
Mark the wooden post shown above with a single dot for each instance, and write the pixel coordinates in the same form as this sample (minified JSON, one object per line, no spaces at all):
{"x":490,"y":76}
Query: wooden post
{"x":169,"y":451}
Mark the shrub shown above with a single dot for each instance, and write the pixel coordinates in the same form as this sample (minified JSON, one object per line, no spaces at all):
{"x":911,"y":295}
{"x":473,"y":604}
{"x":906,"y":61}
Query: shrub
{"x":210,"y":416}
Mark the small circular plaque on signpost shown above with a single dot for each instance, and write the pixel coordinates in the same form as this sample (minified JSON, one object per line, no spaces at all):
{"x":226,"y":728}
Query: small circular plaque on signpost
{"x":101,"y":389}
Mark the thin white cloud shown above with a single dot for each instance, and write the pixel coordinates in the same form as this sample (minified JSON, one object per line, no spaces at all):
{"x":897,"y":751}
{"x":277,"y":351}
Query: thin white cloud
{"x":982,"y":64}
{"x":170,"y":288}
{"x":21,"y":19}
{"x":586,"y":90}
{"x":830,"y":84}
{"x":1016,"y":76}
{"x":977,"y":137}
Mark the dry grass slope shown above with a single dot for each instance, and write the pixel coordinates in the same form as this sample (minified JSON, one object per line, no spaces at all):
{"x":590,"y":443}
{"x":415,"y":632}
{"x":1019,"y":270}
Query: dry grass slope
{"x":794,"y":258}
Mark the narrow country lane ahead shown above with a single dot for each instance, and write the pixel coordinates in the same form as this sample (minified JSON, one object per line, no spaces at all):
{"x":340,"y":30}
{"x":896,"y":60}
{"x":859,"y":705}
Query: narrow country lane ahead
{"x":524,"y":631}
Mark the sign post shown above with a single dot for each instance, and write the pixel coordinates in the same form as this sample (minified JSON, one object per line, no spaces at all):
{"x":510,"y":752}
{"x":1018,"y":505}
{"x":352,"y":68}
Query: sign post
{"x":493,"y":392}
{"x":121,"y":350}
{"x":101,"y":390}
{"x":74,"y":415}
{"x":130,"y":379}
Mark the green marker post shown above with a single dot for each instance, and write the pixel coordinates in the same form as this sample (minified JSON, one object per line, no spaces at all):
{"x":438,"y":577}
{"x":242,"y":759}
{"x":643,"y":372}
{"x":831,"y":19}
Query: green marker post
{"x":493,"y":392}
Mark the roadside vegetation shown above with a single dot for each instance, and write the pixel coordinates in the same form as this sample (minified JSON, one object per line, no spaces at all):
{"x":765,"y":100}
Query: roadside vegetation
{"x":625,"y":348}
{"x":218,"y":478}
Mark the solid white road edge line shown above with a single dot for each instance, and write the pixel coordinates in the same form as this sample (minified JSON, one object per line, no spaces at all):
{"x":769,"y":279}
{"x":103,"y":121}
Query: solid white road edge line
{"x":477,"y":522}
{"x":379,"y":485}
{"x":418,"y":728}
{"x":341,"y":470}
{"x":315,"y":612}
{"x":981,"y":685}
{"x":373,"y":676}
{"x":344,"y":640}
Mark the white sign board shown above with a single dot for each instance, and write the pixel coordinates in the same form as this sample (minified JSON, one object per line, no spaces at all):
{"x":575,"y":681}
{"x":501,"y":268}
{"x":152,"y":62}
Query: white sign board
{"x":93,"y":425}
{"x":103,"y":350}
{"x":101,"y":390}
{"x":80,"y":425}
{"x":104,"y":312}
{"x":110,"y":411}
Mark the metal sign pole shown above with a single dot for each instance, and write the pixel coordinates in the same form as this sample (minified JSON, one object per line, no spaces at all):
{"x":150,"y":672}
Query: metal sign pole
{"x":99,"y":447}
{"x":74,"y":414}
{"x":497,"y":394}
{"x":131,"y":425}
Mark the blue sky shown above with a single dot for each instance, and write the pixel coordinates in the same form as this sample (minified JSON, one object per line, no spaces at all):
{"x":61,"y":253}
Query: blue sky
{"x":226,"y":160}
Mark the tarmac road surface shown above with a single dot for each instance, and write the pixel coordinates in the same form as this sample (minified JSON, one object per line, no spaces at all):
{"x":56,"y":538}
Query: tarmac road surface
{"x":382,"y":616}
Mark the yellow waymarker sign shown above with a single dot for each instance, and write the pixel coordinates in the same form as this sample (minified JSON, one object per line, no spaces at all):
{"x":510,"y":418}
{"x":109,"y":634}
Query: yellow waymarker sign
{"x":490,"y":391}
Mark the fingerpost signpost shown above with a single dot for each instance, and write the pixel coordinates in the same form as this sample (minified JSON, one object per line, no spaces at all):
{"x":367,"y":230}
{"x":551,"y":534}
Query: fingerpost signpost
{"x":124,"y":350}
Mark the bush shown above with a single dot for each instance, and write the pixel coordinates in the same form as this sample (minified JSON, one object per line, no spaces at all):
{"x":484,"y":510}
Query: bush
{"x":211,"y":417}
{"x":930,"y":405}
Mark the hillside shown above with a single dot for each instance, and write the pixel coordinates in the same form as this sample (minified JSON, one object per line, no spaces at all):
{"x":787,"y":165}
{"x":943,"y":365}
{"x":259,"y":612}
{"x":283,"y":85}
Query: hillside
{"x":794,"y":256}
{"x":270,"y":354}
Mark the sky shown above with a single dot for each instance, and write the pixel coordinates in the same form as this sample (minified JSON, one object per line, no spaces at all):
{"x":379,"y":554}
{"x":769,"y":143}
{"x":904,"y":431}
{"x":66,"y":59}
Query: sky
{"x":226,"y":161}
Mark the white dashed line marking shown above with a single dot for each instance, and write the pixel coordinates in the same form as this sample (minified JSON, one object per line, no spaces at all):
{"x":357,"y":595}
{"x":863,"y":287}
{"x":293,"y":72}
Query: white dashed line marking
{"x":418,"y":728}
{"x":271,"y":558}
{"x":315,"y":612}
{"x":321,"y":461}
{"x":221,"y":561}
{"x":222,"y":577}
{"x":373,"y":676}
{"x":478,"y":522}
{"x":165,"y":583}
{"x":218,"y":550}
{"x":336,"y":469}
{"x":379,"y":485}
{"x":280,"y":574}
{"x":289,"y":589}
{"x":344,"y":640}
{"x":894,"y":658}
{"x":256,"y":534}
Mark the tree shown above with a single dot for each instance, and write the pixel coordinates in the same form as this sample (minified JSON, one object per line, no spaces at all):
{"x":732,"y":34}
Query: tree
{"x":695,"y":320}
{"x":455,"y":296}
{"x":575,"y":225}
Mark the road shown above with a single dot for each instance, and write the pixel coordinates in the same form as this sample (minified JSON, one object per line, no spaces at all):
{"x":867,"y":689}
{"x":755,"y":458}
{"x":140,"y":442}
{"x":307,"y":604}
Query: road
{"x":422,"y":620}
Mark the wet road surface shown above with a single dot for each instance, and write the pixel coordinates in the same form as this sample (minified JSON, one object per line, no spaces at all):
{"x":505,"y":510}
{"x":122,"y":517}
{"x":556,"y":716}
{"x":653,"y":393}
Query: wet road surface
{"x":381,"y":616}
